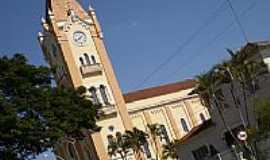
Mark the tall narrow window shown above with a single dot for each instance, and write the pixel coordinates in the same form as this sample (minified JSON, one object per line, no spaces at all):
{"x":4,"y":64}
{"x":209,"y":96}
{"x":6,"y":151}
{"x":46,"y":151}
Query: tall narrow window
{"x":104,"y":95}
{"x":93,"y":92}
{"x":184,"y":125}
{"x":87,"y":59}
{"x":93,"y":59}
{"x":202,"y":117}
{"x":81,"y":61}
{"x":110,"y":139}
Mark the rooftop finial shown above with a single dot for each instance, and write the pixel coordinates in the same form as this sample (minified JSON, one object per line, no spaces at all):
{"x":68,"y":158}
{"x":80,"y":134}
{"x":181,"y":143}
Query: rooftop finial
{"x":43,"y":20}
{"x":50,"y":12}
{"x":91,"y":8}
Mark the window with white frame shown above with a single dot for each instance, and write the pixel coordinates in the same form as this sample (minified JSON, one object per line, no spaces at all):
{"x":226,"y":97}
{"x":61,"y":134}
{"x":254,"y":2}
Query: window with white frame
{"x":81,"y":61}
{"x":87,"y":59}
{"x":203,"y":119}
{"x":184,"y":125}
{"x":104,"y":94}
{"x":94,"y":61}
{"x":94,"y":95}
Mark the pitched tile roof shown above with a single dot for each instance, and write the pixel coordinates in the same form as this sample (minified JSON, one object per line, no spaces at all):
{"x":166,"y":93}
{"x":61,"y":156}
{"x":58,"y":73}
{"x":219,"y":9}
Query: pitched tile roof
{"x":159,"y":90}
{"x":196,"y":130}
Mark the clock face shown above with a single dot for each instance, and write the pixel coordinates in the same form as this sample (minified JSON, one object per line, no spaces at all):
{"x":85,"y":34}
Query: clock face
{"x":79,"y":38}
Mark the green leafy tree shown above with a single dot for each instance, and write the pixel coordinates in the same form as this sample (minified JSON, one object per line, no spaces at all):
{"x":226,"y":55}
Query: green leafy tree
{"x":263,"y":114}
{"x":34,"y":116}
{"x":246,"y":71}
{"x":241,"y":70}
{"x":226,"y":73}
{"x":207,"y":87}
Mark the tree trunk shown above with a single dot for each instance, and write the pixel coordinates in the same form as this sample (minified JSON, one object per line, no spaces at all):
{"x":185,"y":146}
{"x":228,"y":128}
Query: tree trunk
{"x":224,"y":121}
{"x":237,"y":105}
{"x":254,"y":146}
{"x":245,"y":103}
{"x":234,"y":96}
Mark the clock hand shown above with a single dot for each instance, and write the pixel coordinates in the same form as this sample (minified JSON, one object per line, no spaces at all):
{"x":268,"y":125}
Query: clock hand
{"x":80,"y":37}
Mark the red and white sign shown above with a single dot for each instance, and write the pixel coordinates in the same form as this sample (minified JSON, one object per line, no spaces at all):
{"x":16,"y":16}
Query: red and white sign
{"x":242,"y":136}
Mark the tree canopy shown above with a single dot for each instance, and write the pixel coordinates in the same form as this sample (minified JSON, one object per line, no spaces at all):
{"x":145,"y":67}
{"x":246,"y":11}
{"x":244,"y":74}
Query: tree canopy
{"x":263,"y":115}
{"x":34,"y":115}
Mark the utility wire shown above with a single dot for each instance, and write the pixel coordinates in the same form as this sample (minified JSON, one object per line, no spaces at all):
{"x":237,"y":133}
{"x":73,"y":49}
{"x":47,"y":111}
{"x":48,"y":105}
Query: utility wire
{"x":209,"y":43}
{"x":182,"y":46}
{"x":237,"y":20}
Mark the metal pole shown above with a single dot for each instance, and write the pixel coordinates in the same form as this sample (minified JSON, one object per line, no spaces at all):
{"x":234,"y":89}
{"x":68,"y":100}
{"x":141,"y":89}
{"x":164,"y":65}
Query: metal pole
{"x":235,"y":152}
{"x":59,"y":157}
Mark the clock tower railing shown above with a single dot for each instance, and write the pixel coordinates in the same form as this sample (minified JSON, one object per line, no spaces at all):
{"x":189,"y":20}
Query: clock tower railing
{"x":91,"y":69}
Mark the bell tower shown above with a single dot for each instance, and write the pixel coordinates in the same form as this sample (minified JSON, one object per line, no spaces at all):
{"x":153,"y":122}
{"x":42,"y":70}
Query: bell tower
{"x":72,"y":43}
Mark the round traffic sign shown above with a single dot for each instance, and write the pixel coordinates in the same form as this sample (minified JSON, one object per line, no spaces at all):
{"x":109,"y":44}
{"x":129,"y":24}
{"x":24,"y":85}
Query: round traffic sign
{"x":242,"y":136}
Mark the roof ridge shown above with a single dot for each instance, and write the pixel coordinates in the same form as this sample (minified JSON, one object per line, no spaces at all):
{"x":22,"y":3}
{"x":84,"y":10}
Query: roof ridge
{"x":159,"y":90}
{"x":161,"y":85}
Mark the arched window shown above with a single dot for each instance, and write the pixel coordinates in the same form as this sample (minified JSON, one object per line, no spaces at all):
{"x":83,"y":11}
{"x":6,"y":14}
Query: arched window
{"x":202,"y":117}
{"x":184,"y":125}
{"x":87,"y":59}
{"x":93,"y":59}
{"x":111,"y":128}
{"x":71,"y":151}
{"x":81,"y":61}
{"x":104,"y":94}
{"x":93,"y":92}
{"x":110,"y":138}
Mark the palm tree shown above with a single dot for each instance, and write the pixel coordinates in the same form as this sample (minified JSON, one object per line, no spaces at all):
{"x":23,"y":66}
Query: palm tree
{"x":206,"y":88}
{"x":246,"y":72}
{"x":242,"y":70}
{"x":227,"y":73}
{"x":155,"y":132}
{"x":112,"y":146}
{"x":123,"y":148}
{"x":169,"y":151}
{"x":250,"y":70}
{"x":136,"y":139}
{"x":118,"y":145}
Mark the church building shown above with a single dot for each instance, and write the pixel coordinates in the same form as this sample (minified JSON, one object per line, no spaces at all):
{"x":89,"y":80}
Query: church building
{"x":72,"y":43}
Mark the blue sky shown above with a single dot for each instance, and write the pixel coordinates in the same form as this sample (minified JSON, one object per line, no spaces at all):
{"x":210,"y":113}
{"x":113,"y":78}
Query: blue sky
{"x":142,"y":34}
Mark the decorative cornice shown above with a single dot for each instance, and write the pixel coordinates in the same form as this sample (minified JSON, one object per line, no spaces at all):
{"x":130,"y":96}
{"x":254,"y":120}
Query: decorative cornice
{"x":161,"y":104}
